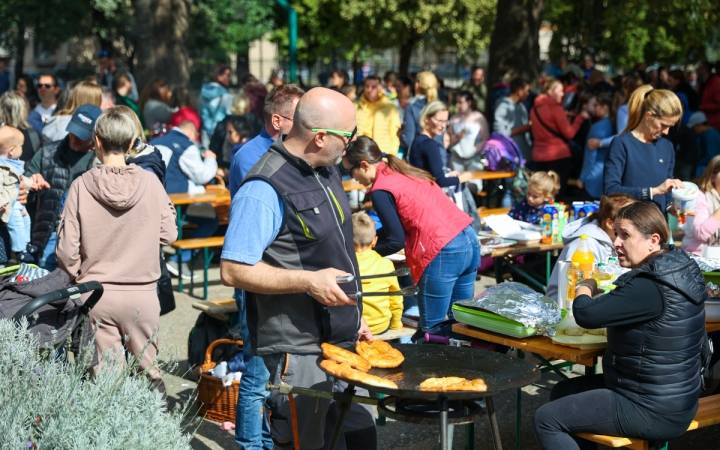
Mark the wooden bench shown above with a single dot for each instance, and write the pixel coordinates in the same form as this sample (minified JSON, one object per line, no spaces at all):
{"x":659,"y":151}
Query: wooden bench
{"x":204,"y":244}
{"x":708,"y":414}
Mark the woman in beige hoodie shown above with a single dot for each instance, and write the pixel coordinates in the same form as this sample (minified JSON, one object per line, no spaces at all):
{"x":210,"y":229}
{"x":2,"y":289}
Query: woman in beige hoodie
{"x":114,"y":219}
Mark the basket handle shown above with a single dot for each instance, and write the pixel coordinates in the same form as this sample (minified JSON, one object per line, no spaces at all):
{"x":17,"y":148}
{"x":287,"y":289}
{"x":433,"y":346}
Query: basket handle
{"x":211,"y":347}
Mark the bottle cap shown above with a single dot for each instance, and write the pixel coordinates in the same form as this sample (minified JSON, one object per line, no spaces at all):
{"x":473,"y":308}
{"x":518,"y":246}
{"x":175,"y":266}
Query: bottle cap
{"x":583,"y":236}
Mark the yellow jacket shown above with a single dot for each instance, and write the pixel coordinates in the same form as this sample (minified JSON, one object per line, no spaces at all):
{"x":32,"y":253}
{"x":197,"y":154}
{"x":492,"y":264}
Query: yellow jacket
{"x":380,"y":121}
{"x":378,"y":312}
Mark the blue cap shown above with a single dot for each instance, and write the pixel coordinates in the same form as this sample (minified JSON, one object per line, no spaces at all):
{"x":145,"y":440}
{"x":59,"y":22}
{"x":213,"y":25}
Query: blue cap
{"x":83,"y":121}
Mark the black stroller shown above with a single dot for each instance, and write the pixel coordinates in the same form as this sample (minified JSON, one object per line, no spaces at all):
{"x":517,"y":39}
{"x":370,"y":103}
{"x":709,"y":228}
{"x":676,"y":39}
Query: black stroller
{"x":54,"y":314}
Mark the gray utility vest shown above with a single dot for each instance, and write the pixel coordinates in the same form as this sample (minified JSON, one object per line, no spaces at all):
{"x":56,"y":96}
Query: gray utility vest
{"x":316,"y":233}
{"x":657,"y":364}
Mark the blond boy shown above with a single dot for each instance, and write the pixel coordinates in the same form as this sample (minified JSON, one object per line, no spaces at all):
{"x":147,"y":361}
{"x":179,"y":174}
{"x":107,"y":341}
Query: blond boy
{"x":380,"y":313}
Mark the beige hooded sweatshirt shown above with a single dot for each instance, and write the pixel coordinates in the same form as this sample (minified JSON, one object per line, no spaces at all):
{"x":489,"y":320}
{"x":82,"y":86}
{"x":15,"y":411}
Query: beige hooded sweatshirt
{"x":112,"y":226}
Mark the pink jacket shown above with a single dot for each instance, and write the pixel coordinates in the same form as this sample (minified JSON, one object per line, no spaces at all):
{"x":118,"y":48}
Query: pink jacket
{"x":112,"y":226}
{"x":549,"y":147}
{"x":699,"y":228}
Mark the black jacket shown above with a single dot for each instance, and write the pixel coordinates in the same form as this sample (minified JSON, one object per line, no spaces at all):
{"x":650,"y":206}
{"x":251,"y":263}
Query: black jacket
{"x":153,"y":162}
{"x":656,"y":363}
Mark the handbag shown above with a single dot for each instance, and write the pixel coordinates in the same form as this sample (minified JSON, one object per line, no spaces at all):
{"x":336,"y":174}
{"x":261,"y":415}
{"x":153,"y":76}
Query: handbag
{"x":164,"y":288}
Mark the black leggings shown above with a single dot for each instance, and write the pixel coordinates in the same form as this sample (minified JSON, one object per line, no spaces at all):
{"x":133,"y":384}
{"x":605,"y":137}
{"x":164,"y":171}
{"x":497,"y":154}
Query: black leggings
{"x":581,"y":404}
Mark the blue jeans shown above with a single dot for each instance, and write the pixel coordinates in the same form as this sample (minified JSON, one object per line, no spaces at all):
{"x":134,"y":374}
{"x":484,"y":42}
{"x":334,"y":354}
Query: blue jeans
{"x":252,"y":430}
{"x":206,"y":228}
{"x":449,"y":277}
{"x":48,"y":261}
{"x":19,"y":228}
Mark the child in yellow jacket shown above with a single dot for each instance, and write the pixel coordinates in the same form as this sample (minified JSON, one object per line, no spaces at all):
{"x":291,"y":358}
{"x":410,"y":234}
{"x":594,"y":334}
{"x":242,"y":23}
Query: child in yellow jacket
{"x":380,"y":313}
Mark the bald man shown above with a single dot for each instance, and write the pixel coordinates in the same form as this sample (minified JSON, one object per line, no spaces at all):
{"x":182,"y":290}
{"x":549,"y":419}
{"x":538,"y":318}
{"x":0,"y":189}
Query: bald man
{"x":290,"y":237}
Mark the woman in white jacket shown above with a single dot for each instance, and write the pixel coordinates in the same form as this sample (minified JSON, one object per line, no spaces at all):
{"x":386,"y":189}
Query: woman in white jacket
{"x":600,"y":233}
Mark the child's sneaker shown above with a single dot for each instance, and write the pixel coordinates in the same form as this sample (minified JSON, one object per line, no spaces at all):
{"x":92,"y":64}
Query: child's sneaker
{"x":32,"y":249}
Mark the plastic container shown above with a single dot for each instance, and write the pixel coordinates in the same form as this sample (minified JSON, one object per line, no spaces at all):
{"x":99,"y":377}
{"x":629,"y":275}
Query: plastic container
{"x":574,"y":276}
{"x":684,"y":199}
{"x":546,"y":229}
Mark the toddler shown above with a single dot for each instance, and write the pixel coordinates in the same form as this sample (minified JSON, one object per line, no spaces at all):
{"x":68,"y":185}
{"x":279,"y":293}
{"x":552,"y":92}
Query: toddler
{"x":542,"y":189}
{"x":380,"y":313}
{"x":11,"y":173}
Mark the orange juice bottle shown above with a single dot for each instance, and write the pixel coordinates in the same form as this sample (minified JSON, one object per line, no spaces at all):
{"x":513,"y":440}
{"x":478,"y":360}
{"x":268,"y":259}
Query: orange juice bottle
{"x":584,"y":257}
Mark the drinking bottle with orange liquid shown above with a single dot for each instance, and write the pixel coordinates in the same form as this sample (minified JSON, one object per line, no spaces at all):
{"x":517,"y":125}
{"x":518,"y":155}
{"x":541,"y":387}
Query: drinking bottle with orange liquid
{"x":585,"y":259}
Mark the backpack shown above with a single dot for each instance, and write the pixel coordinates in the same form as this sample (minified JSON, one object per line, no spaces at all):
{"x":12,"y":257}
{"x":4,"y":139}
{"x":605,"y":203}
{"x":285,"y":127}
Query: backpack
{"x":500,"y":153}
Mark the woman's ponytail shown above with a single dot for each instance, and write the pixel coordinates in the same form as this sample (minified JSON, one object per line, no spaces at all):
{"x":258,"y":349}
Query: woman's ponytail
{"x":428,"y":84}
{"x":659,"y":102}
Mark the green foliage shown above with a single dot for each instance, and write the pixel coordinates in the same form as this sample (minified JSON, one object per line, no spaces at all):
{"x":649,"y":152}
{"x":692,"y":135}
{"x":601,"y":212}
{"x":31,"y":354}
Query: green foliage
{"x":50,"y":20}
{"x":348,"y":26}
{"x":624,"y":32}
{"x":218,"y":27}
{"x":49,"y":402}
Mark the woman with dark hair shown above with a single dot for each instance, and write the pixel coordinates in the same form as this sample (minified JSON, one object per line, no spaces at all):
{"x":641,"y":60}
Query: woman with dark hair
{"x":655,"y":322}
{"x":239,"y":130}
{"x":26,"y":86}
{"x":154,"y":103}
{"x":338,"y":79}
{"x":468,"y":130}
{"x":440,"y":245}
{"x":181,"y":100}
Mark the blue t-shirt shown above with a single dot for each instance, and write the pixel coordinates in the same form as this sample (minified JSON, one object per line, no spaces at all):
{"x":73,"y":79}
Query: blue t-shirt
{"x":244,"y":160}
{"x":633,"y":167}
{"x":256,"y":214}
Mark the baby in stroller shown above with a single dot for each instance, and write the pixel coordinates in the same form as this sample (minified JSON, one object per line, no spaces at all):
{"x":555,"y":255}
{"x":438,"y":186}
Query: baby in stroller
{"x":52,"y":307}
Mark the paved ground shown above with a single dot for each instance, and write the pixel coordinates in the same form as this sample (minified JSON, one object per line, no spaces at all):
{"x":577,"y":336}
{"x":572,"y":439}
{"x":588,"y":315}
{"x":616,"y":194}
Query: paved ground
{"x":394,"y":435}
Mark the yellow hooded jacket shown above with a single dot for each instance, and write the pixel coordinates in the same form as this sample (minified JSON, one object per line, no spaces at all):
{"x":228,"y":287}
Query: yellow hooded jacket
{"x":379,"y":312}
{"x":380,"y":121}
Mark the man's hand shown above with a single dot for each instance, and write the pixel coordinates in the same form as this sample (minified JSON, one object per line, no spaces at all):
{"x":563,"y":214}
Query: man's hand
{"x":364,"y":333}
{"x":593,"y":143}
{"x":209,"y":154}
{"x":22,"y":194}
{"x":39,"y":182}
{"x":324,"y":288}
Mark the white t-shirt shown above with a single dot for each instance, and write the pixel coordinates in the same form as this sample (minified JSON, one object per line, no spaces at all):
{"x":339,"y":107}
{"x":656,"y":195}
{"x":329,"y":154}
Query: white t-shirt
{"x":44,"y":112}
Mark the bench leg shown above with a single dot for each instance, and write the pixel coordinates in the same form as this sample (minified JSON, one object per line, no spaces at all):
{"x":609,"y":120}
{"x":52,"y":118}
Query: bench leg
{"x":179,"y":264}
{"x":207,"y":257}
{"x":663,"y":445}
{"x":192,"y":273}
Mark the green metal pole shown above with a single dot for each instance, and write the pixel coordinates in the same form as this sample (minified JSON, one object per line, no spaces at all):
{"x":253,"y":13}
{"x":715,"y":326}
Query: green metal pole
{"x":292,"y":25}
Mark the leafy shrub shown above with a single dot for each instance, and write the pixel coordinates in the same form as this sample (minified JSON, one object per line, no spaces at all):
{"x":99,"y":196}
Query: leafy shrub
{"x":49,"y":402}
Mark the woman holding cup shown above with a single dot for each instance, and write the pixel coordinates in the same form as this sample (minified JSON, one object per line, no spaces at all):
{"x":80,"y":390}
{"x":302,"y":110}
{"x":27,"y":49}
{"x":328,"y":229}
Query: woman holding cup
{"x":641,"y":161}
{"x":704,"y":227}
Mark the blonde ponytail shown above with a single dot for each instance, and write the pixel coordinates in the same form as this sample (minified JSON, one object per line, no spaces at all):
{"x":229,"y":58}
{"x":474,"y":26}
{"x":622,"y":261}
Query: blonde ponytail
{"x":659,"y":102}
{"x":428,"y":85}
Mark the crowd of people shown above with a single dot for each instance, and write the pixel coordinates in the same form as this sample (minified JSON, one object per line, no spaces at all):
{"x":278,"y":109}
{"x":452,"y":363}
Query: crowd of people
{"x":88,"y":168}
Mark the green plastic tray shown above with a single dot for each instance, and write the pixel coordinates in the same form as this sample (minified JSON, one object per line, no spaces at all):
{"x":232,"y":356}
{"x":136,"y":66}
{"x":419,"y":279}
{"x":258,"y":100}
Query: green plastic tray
{"x":492,"y":322}
{"x":712,"y":276}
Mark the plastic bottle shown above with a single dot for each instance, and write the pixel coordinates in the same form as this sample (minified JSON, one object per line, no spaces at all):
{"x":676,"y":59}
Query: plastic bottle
{"x":574,"y":276}
{"x":546,"y":229}
{"x":584,"y":257}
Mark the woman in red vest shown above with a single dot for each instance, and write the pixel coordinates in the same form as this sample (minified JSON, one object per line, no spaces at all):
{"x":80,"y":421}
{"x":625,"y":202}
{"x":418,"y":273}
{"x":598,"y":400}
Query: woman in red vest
{"x":441,"y":247}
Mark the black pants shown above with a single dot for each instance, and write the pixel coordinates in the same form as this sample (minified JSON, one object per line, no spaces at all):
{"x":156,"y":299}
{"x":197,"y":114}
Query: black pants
{"x":581,"y":404}
{"x":562,"y":167}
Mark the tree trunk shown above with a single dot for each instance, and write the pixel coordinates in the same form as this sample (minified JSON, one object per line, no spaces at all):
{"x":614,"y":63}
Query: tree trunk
{"x":406,"y":50}
{"x":514,"y":43}
{"x":242,"y":66}
{"x":19,"y":52}
{"x":162,"y":41}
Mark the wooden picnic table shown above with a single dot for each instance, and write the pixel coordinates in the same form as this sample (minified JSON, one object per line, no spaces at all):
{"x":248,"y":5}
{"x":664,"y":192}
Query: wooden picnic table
{"x":352,"y":185}
{"x":189,"y":199}
{"x":503,"y":258}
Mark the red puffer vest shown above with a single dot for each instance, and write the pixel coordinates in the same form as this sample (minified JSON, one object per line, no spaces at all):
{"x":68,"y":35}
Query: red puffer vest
{"x":430,"y":219}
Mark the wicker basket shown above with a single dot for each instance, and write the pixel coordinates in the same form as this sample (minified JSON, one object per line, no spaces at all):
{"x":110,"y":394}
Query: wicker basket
{"x":217,"y":402}
{"x":222,"y":208}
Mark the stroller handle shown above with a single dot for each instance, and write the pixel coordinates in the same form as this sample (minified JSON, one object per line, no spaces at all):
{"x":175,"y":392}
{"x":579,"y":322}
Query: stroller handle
{"x":60,"y":294}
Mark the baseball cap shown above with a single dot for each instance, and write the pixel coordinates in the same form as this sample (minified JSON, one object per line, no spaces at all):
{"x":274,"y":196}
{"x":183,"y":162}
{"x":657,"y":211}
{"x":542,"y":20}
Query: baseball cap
{"x":696,"y":118}
{"x":83,"y":121}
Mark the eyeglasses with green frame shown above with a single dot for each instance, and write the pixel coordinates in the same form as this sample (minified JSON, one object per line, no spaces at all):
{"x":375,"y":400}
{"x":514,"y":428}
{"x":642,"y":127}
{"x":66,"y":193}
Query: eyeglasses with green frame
{"x":348,"y":134}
